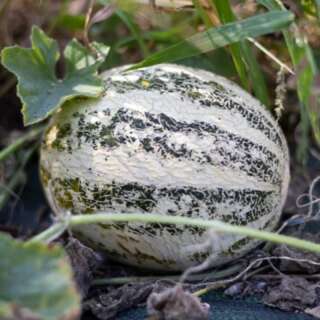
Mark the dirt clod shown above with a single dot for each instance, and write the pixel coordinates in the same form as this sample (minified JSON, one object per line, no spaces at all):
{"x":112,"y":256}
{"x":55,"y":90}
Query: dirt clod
{"x":302,"y":262}
{"x":84,"y":261}
{"x":292,"y":294}
{"x":106,"y":306}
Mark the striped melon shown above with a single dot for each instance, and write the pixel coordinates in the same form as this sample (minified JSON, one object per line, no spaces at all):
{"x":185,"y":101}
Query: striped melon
{"x":167,"y":140}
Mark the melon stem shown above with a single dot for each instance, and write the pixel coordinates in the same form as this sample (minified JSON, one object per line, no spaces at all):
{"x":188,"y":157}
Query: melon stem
{"x":73,"y":221}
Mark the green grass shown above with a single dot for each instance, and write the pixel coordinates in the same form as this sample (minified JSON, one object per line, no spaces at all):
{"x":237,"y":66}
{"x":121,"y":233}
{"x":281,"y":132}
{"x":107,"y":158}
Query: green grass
{"x":218,"y":37}
{"x":135,"y":30}
{"x":244,"y":59}
{"x":306,"y":70}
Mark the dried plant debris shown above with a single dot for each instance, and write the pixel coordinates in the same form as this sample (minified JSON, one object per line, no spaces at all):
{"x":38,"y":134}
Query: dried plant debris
{"x":292,"y":294}
{"x":176,"y":304}
{"x":84,"y":262}
{"x":20,"y":15}
{"x":107,"y":302}
{"x":105,"y":306}
{"x":315,"y":312}
{"x":246,"y":288}
{"x":302,"y":262}
{"x":300,"y":181}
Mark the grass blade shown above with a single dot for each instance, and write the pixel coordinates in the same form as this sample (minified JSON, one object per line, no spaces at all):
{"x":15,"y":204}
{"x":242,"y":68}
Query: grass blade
{"x":306,"y":71}
{"x":243,"y":56}
{"x":226,"y":15}
{"x":220,"y":37}
{"x":134,"y":29}
{"x":317,"y":4}
{"x":257,"y":78}
{"x":203,"y":14}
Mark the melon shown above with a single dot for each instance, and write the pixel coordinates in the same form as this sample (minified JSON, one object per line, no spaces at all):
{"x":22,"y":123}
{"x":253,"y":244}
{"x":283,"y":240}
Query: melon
{"x":168,"y":140}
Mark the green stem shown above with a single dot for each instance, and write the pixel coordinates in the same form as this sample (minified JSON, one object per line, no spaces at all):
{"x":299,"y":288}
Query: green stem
{"x":15,"y":180}
{"x":210,"y":276}
{"x":203,"y":14}
{"x":135,"y":31}
{"x":13,"y":147}
{"x":50,"y":234}
{"x":78,"y":220}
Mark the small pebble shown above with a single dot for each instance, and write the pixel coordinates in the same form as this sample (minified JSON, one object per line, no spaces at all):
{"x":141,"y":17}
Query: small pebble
{"x":235,"y":289}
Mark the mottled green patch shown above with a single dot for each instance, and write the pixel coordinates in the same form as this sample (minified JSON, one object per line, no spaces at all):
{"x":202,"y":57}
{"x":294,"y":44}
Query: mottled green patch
{"x":237,"y":246}
{"x":199,"y":256}
{"x":147,"y":144}
{"x":216,"y":85}
{"x":125,"y":86}
{"x":194,"y":94}
{"x":75,"y":184}
{"x":143,"y":257}
{"x":106,"y":226}
{"x":67,"y":192}
{"x":88,"y":210}
{"x":76,"y":114}
{"x":87,"y":240}
{"x":63,"y":131}
{"x":98,"y":197}
{"x":123,"y":247}
{"x":93,"y":126}
{"x":96,"y":133}
{"x":133,"y":239}
{"x":58,"y":145}
{"x":107,"y":137}
{"x":62,"y":191}
{"x":44,"y":175}
{"x":123,"y":237}
{"x":65,"y":200}
{"x":116,"y":255}
{"x":69,"y":183}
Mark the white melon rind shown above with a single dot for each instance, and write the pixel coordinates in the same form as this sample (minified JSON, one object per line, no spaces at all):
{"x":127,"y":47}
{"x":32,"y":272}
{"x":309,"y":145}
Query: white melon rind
{"x":169,"y":140}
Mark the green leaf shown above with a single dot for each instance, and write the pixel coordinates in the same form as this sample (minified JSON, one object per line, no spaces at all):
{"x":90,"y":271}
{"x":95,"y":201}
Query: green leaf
{"x":37,"y":279}
{"x":219,"y":37}
{"x":38,"y":87}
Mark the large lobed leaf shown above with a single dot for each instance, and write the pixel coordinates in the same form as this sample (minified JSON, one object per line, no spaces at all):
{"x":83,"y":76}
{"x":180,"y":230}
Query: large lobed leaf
{"x":40,"y":91}
{"x":35,"y":282}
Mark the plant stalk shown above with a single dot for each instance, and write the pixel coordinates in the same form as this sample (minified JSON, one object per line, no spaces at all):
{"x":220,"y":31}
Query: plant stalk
{"x":13,"y":147}
{"x":218,"y":226}
{"x":17,"y":179}
{"x":209,"y":276}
